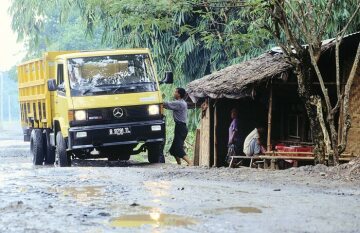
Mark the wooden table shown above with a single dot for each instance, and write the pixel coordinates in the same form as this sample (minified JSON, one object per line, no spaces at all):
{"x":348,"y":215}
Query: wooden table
{"x":274,"y":156}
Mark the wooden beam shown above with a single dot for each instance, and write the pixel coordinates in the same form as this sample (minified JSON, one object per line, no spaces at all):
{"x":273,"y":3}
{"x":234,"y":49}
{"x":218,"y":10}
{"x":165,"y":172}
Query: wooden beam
{"x":287,"y":157}
{"x":275,"y":153}
{"x":215,"y":136}
{"x":269,"y":119}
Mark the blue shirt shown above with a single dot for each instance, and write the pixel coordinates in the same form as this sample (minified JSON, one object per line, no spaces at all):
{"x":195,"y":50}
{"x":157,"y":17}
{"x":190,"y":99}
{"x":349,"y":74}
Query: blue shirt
{"x":179,"y":108}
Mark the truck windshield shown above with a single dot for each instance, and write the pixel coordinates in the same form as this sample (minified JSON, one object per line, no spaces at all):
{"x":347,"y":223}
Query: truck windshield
{"x":105,"y":75}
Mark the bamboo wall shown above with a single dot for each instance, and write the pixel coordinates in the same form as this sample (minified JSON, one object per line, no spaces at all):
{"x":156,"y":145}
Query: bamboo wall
{"x":354,"y":132}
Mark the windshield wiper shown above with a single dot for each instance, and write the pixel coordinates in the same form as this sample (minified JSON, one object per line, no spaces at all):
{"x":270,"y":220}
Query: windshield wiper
{"x":132,"y":86}
{"x":92,"y":90}
{"x":86,"y":91}
{"x":125,"y":88}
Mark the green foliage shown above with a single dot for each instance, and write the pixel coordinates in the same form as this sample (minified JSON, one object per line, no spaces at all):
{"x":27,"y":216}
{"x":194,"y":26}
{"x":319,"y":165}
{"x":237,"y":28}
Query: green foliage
{"x":45,"y":28}
{"x":314,"y":16}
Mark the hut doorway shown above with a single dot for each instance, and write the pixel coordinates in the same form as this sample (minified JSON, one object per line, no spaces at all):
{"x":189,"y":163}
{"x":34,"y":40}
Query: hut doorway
{"x":252,"y":112}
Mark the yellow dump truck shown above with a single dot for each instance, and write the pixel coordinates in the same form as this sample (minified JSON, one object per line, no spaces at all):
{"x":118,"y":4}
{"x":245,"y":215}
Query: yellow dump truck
{"x":94,"y":104}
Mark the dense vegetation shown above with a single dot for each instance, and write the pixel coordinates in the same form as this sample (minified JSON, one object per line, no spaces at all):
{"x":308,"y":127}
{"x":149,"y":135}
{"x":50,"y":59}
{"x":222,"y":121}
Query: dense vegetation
{"x":186,"y":37}
{"x":190,"y":37}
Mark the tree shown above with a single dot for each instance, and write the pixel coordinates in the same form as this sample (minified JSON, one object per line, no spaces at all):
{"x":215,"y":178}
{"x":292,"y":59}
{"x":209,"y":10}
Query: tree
{"x":295,"y":23}
{"x":45,"y":28}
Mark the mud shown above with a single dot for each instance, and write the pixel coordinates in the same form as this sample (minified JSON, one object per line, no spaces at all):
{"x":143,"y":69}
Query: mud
{"x":101,"y":196}
{"x":155,"y":219}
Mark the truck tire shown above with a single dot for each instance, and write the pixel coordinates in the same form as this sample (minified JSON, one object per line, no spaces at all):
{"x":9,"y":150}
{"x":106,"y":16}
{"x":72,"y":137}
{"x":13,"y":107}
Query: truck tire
{"x":37,"y":146}
{"x":63,"y":159}
{"x":49,"y":149}
{"x":155,"y":153}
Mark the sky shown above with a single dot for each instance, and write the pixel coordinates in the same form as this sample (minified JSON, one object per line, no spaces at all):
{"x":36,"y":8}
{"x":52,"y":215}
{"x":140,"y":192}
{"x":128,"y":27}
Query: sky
{"x":11,"y":52}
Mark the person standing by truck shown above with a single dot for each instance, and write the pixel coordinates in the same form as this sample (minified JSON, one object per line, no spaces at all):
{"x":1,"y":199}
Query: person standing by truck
{"x":179,"y":108}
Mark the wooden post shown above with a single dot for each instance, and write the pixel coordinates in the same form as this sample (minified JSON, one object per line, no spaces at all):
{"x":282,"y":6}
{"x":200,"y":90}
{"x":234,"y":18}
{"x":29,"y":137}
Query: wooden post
{"x":197,"y":148}
{"x":204,"y":158}
{"x":273,"y":164}
{"x":266,"y":165}
{"x":269,"y":119}
{"x":215,"y":135}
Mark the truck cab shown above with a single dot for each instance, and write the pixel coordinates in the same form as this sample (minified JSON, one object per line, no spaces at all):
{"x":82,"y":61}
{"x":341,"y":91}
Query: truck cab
{"x":104,"y":104}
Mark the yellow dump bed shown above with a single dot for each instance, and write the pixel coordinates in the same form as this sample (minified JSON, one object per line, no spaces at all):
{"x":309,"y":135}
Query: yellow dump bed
{"x":35,"y":99}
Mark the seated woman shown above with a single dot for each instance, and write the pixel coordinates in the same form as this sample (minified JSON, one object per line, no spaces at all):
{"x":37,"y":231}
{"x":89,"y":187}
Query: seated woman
{"x":252,"y":144}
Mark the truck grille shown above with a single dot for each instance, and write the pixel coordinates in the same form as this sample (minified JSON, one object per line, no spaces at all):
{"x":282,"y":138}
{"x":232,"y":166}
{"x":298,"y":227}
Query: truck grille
{"x":107,"y":115}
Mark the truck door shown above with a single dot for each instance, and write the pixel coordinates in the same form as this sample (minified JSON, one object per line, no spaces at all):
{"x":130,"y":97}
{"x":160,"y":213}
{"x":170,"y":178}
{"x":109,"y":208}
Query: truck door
{"x":61,"y":105}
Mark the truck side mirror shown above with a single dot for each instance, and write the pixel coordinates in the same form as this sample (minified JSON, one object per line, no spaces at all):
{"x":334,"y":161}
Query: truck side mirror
{"x":52,"y":85}
{"x":169,"y":78}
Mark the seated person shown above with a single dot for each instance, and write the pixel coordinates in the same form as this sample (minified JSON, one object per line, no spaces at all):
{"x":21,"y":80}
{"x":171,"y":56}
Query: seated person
{"x":252,"y":144}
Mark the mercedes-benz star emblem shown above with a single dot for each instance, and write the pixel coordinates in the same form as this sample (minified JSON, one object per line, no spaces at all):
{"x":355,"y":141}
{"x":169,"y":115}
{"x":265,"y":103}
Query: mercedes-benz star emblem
{"x":118,"y":112}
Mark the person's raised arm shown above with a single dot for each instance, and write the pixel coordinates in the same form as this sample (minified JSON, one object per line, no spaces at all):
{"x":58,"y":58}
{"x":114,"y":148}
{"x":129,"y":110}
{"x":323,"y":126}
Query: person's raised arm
{"x":172,"y":105}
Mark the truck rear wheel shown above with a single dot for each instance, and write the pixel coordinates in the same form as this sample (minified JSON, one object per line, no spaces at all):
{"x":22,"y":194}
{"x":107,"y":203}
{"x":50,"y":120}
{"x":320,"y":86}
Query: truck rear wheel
{"x":49,"y":149}
{"x":37,"y":147}
{"x":155,"y":153}
{"x":63,"y":159}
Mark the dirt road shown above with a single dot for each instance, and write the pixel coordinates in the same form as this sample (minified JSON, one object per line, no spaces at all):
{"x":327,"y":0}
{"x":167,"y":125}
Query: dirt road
{"x":102,"y":196}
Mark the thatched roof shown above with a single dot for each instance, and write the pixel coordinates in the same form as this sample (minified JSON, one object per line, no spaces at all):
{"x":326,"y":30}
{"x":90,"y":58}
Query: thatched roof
{"x":237,"y":81}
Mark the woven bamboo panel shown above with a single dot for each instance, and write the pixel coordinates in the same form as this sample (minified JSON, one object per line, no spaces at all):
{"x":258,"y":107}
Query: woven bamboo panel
{"x":354,"y":132}
{"x":353,"y":141}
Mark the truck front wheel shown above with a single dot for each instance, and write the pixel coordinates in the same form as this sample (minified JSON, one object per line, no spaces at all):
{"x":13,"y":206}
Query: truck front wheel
{"x":155,"y":153}
{"x":63,"y":159}
{"x":37,"y":146}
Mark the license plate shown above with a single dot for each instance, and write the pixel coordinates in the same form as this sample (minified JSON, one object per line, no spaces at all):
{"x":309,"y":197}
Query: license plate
{"x":120,"y":131}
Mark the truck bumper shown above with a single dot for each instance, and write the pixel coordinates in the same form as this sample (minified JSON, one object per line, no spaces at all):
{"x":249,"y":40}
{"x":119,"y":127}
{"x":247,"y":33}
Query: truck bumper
{"x":95,"y":136}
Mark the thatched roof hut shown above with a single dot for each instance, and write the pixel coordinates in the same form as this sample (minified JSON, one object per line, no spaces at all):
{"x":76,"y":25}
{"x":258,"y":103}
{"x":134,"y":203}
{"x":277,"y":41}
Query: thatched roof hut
{"x":264,"y":91}
{"x":237,"y":81}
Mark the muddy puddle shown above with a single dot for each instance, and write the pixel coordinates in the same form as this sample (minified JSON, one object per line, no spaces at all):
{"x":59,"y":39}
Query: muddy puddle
{"x":152,"y":216}
{"x":154,"y":219}
{"x":81,"y":193}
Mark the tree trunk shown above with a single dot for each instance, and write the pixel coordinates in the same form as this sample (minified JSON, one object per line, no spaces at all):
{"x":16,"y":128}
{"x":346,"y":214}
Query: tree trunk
{"x":303,"y":71}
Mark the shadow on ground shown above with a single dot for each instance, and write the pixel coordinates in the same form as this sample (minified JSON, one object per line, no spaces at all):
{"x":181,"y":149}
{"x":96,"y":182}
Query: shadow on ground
{"x":106,"y":163}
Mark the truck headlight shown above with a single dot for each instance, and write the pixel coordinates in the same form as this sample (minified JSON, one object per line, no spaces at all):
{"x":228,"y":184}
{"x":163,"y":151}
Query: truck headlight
{"x":81,"y":134}
{"x":154,"y":110}
{"x":80,"y":115}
